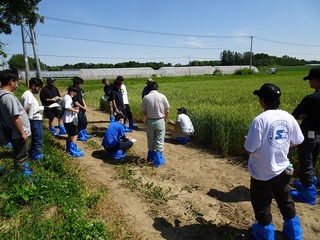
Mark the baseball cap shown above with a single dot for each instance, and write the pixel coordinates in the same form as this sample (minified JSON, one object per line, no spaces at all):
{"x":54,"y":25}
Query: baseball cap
{"x":51,"y":80}
{"x":268,"y":90}
{"x":313,"y":73}
{"x":150,"y":80}
{"x":182,"y":109}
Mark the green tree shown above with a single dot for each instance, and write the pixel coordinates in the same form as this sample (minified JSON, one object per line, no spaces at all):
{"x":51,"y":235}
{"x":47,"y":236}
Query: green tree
{"x":16,"y":12}
{"x":17,"y":61}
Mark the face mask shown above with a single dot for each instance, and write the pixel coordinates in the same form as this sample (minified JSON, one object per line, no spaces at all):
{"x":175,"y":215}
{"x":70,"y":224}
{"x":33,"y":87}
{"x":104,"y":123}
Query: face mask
{"x":35,"y":91}
{"x":16,"y":87}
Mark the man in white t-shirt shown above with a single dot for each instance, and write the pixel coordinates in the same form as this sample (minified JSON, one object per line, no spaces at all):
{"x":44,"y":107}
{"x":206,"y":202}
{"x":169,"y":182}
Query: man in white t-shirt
{"x":31,"y":106}
{"x":270,"y":136}
{"x":184,"y":125}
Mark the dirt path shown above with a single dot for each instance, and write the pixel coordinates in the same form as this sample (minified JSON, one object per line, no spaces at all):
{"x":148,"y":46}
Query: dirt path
{"x":206,"y":195}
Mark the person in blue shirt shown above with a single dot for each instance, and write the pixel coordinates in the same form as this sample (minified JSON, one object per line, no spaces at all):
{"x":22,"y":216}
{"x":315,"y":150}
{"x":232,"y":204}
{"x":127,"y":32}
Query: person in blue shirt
{"x":115,"y":141}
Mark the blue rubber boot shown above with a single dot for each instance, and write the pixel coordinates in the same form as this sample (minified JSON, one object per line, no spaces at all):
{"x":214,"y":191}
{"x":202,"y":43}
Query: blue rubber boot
{"x":292,"y":228}
{"x":183,"y":140}
{"x":112,"y":118}
{"x":119,"y":155}
{"x":81,"y":136}
{"x":86,"y":134}
{"x":26,"y":171}
{"x":54,"y":131}
{"x":151,"y":155}
{"x":306,"y":195}
{"x":158,"y":159}
{"x":8,"y":145}
{"x":126,"y":129}
{"x":262,"y":232}
{"x":36,"y":157}
{"x":298,"y":185}
{"x":74,"y":152}
{"x":62,"y":129}
{"x":132,"y":126}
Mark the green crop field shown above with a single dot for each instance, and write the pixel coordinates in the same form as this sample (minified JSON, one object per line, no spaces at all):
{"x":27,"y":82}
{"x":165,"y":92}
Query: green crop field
{"x":221,"y":107}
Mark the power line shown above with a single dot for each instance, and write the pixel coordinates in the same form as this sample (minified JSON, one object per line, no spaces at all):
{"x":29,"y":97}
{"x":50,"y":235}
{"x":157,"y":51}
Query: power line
{"x":140,"y":31}
{"x":286,"y":43}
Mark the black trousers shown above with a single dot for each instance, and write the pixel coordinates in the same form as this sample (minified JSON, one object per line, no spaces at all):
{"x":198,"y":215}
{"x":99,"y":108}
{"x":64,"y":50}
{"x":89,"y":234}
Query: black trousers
{"x":261,"y":198}
{"x":308,"y":153}
{"x":120,"y":146}
{"x":129,"y":113}
{"x":82,"y":120}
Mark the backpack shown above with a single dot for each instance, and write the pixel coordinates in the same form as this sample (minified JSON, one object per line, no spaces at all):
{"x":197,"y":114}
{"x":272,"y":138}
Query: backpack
{"x":5,"y":131}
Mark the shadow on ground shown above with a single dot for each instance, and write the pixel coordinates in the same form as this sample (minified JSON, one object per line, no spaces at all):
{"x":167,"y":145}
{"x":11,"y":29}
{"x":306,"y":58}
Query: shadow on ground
{"x":238,"y":194}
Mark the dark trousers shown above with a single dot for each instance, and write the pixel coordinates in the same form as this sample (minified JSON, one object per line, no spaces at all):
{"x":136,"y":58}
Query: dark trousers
{"x":82,"y":120}
{"x":20,"y":152}
{"x":308,"y":153}
{"x":36,"y":136}
{"x":129,"y":113}
{"x":120,"y":146}
{"x":261,"y":198}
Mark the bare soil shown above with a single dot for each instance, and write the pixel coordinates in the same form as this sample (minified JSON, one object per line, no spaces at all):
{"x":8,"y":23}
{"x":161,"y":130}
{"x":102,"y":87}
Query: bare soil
{"x":207,"y":196}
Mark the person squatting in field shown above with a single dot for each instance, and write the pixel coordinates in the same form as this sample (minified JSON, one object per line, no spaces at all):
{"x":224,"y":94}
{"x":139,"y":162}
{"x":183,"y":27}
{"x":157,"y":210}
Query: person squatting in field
{"x":155,"y":107}
{"x":270,"y":136}
{"x":308,"y":152}
{"x":114,"y":140}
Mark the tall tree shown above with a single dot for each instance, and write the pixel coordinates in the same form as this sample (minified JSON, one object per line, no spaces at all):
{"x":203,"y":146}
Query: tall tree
{"x":16,"y":12}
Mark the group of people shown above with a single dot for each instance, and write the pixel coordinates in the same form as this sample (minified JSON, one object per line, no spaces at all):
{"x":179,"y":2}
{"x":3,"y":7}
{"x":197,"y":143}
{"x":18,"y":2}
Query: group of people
{"x":25,"y":120}
{"x":270,"y":136}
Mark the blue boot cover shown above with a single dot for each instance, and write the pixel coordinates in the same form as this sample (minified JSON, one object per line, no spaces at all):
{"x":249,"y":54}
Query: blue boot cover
{"x":86,"y":134}
{"x":38,"y":156}
{"x":62,"y":129}
{"x":292,"y":228}
{"x":26,"y":172}
{"x":306,"y":195}
{"x":183,"y":140}
{"x":262,"y":232}
{"x":74,"y":152}
{"x":54,"y":131}
{"x":132,"y":126}
{"x":8,"y":145}
{"x":126,"y":129}
{"x":81,"y":136}
{"x":298,"y":185}
{"x":119,"y":155}
{"x":112,"y":118}
{"x":158,"y":159}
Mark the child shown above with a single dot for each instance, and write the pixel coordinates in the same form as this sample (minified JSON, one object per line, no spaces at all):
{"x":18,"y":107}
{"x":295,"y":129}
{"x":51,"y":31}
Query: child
{"x":70,"y":121}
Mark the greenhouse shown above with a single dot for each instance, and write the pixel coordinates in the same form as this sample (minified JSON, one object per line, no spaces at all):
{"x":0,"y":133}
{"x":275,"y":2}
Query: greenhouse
{"x":112,"y":73}
{"x":232,"y":69}
{"x":184,"y":71}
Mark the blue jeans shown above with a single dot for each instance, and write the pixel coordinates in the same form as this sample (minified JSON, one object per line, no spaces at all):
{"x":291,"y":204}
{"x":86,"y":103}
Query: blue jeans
{"x":156,"y":130}
{"x":37,"y":136}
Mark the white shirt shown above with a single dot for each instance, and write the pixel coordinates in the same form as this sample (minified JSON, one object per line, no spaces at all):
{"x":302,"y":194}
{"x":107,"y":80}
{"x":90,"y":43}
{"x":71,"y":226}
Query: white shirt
{"x":68,"y":116}
{"x":185,"y":123}
{"x":124,"y":94}
{"x":29,"y":102}
{"x":268,"y":142}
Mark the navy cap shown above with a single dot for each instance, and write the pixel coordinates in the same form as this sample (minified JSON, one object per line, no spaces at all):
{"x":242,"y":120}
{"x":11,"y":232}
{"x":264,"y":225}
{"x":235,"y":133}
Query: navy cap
{"x":268,"y":90}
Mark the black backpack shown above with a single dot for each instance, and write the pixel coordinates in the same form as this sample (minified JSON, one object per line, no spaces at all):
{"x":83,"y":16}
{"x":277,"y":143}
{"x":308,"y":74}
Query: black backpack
{"x":5,"y":131}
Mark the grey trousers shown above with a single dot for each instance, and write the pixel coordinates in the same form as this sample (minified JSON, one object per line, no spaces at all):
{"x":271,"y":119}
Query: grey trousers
{"x":156,"y":130}
{"x":20,"y":153}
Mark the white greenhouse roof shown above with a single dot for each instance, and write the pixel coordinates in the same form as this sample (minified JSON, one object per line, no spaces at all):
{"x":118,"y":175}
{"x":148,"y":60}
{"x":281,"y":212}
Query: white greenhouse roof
{"x":185,"y":71}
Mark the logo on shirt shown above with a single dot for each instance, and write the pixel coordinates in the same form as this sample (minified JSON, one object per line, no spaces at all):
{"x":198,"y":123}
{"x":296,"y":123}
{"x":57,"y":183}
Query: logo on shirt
{"x":278,"y":135}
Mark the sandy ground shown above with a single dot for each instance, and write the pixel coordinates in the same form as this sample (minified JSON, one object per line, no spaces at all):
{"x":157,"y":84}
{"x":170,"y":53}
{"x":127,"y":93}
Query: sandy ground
{"x":209,"y":195}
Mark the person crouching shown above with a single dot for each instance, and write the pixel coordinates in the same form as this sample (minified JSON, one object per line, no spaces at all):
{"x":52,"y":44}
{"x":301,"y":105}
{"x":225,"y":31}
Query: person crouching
{"x":115,"y":141}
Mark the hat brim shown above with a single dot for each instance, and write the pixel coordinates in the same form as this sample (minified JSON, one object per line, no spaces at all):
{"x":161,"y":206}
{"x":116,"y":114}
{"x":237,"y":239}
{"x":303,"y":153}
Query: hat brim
{"x":256,"y":92}
{"x":306,"y":77}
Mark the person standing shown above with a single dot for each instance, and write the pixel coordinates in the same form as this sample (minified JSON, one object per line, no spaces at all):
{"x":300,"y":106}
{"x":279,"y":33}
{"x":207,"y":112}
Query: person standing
{"x":146,"y":90}
{"x":70,"y":120}
{"x":16,"y":118}
{"x":31,"y":106}
{"x":126,"y":103}
{"x":115,"y":141}
{"x":107,"y":88}
{"x":308,"y":152}
{"x":81,"y":104}
{"x":270,"y":136}
{"x":50,"y":94}
{"x":155,"y":107}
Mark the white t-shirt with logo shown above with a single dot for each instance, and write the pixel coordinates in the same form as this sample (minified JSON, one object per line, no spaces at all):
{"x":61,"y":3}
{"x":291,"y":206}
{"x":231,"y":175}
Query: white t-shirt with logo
{"x":185,"y":123}
{"x":268,"y":142}
{"x":68,"y":116}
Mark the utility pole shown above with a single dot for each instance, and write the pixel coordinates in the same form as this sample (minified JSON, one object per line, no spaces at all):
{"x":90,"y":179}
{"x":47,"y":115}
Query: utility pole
{"x":35,"y":52}
{"x":25,"y":54}
{"x":251,"y":52}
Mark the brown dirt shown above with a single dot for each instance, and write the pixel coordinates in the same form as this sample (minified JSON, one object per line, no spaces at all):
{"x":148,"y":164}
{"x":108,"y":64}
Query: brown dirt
{"x":210,"y":195}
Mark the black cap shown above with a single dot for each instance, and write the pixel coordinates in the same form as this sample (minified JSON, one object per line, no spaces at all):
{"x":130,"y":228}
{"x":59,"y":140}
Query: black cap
{"x":182,"y":109}
{"x":313,"y":73}
{"x":50,"y":80}
{"x":268,"y":90}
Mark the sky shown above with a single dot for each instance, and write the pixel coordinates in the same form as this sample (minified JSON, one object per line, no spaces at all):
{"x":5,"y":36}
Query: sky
{"x":170,"y":31}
